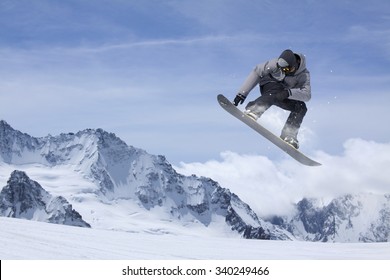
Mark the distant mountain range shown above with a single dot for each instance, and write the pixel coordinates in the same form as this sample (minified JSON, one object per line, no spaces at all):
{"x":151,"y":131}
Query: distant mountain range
{"x":350,"y":218}
{"x":116,"y":186}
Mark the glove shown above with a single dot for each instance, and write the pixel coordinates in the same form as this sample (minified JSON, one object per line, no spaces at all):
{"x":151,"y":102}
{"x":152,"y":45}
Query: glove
{"x":239,"y":99}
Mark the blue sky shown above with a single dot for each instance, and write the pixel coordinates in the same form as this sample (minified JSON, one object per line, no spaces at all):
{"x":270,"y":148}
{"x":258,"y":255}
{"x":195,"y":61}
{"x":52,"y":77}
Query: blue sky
{"x":149,"y":71}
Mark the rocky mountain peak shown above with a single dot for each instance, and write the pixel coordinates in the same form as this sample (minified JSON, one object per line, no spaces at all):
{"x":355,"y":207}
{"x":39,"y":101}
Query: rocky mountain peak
{"x":348,"y":218}
{"x":26,"y":199}
{"x":122,"y":171}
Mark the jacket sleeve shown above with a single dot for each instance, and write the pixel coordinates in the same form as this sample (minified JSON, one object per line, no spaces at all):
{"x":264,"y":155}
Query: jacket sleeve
{"x":250,"y":82}
{"x":303,"y":91}
{"x":258,"y":74}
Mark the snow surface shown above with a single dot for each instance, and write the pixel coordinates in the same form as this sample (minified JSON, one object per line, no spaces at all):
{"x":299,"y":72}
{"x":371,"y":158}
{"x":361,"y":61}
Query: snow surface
{"x":23,"y":239}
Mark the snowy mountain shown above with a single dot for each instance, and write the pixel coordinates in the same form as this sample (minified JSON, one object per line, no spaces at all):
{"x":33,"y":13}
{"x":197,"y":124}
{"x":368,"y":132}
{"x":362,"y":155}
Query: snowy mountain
{"x":26,"y":199}
{"x":358,"y":218}
{"x":118,"y":186}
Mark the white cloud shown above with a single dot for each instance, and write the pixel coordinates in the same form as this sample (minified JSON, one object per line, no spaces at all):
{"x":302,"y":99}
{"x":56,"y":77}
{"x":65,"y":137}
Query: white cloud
{"x":272,"y":187}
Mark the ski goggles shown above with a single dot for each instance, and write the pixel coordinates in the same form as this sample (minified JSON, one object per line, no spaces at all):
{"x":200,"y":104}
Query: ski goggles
{"x":286,"y":69}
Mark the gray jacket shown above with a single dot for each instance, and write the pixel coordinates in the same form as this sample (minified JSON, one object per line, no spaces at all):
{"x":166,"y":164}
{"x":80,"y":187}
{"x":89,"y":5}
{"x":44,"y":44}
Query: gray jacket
{"x":298,"y":83}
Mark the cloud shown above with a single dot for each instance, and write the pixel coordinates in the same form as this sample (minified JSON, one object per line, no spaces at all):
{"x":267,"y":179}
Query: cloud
{"x":271,"y":187}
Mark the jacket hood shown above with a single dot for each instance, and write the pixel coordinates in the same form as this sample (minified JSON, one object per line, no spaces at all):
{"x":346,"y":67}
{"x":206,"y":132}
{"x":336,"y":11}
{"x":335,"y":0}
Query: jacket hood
{"x":302,"y":65}
{"x":287,"y":59}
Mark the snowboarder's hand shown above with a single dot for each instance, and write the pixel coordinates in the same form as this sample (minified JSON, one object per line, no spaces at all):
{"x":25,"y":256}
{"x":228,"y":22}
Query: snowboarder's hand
{"x":239,"y":99}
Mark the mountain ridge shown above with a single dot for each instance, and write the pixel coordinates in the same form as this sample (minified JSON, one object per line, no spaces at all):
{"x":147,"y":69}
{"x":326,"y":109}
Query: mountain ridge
{"x":123,"y":172}
{"x":117,"y":186}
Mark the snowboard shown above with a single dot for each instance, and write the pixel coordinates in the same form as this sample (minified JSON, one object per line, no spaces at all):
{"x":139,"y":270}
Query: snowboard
{"x":289,"y":149}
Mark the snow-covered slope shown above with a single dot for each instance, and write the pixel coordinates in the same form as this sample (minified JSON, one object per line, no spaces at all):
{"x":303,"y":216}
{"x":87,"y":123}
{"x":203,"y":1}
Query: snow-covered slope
{"x":116,"y":186}
{"x":49,"y":242}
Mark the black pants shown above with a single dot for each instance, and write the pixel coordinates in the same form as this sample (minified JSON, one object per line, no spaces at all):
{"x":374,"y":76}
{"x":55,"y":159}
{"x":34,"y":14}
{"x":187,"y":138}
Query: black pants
{"x":273,"y":94}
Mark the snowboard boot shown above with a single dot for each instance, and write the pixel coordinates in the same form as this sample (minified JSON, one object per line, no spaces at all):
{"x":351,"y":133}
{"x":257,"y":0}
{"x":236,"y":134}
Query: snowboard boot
{"x":292,"y":141}
{"x":254,"y":111}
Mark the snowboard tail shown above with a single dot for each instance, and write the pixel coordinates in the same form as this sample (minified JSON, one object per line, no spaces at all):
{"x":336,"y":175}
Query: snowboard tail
{"x":290,"y":150}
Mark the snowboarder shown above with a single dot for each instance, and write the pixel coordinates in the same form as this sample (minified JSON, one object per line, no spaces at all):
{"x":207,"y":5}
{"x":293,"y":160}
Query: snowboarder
{"x":284,"y":82}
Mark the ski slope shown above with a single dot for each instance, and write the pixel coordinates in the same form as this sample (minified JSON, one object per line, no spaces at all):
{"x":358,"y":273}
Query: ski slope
{"x":30,"y":240}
